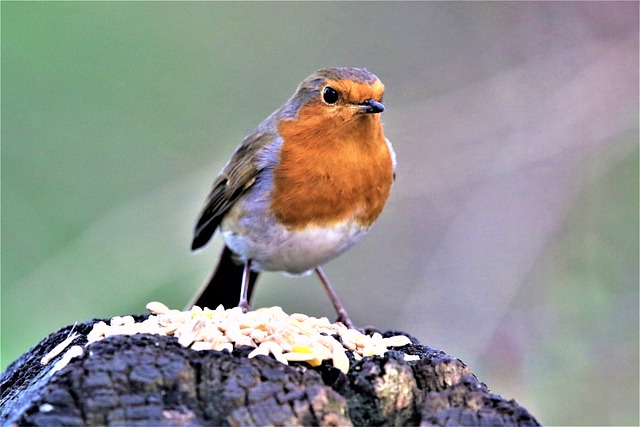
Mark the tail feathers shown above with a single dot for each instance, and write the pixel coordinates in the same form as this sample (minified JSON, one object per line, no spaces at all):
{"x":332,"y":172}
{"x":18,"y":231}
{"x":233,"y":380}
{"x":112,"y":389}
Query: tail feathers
{"x":224,"y":285}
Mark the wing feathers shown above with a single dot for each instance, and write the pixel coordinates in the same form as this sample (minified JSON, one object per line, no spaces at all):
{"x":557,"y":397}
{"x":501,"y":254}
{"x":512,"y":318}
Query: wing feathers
{"x":235,"y":179}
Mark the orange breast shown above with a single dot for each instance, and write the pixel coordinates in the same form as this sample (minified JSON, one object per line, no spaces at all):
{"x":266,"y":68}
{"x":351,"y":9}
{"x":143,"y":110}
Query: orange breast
{"x":331,"y":170}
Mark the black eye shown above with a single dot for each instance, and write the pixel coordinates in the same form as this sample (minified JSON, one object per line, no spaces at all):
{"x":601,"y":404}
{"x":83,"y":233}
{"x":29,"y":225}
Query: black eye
{"x":330,"y":95}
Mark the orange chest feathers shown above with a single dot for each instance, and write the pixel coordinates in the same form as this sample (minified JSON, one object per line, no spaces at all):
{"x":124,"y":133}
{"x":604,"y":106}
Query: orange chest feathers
{"x":331,"y":173}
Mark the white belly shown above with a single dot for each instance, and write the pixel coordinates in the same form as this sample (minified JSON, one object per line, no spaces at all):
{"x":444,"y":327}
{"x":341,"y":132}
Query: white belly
{"x":274,"y":248}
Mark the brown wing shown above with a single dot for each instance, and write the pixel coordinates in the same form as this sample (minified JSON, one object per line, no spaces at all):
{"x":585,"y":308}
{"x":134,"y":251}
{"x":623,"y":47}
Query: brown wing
{"x":237,"y":177}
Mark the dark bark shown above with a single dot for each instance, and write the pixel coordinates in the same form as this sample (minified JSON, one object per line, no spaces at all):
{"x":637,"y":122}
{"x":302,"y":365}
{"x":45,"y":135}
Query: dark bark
{"x":151,"y":380}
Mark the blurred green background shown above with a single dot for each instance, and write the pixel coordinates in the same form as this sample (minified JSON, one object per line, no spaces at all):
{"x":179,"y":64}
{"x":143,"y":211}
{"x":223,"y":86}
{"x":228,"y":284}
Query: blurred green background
{"x":511,"y":236}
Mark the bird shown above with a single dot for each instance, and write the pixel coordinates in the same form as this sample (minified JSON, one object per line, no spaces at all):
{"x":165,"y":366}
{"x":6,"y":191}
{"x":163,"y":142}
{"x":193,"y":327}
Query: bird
{"x":303,"y":187}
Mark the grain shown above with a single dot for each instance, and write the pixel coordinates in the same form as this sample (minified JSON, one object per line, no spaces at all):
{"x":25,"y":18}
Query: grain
{"x":271,"y":331}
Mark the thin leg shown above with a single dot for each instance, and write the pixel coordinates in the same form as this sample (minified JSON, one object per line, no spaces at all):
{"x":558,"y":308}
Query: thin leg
{"x":224,"y":284}
{"x":244,"y":302}
{"x":342,"y":313}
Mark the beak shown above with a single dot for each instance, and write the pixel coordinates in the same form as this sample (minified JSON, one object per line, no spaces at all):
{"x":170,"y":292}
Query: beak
{"x":371,"y":106}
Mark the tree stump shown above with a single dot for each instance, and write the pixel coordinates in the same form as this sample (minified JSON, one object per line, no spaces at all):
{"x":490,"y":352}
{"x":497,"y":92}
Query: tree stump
{"x":152,"y":380}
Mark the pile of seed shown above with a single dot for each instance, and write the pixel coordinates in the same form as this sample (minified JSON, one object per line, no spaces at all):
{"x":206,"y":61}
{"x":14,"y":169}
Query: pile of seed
{"x":289,"y":338}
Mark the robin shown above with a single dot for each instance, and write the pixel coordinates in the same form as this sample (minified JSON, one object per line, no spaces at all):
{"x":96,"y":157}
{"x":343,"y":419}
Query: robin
{"x":301,"y":189}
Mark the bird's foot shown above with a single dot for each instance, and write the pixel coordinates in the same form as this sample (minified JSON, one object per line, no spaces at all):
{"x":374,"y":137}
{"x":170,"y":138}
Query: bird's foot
{"x":244,"y":305}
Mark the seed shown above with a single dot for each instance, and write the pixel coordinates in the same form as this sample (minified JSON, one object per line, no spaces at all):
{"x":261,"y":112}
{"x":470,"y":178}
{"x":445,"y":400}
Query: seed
{"x":202,"y":345}
{"x":224,"y":346}
{"x":59,"y":348}
{"x":74,"y":351}
{"x":262,"y":349}
{"x":270,"y":330}
{"x":340,"y":359}
{"x":299,"y":357}
{"x":156,"y":307}
{"x":396,"y":341}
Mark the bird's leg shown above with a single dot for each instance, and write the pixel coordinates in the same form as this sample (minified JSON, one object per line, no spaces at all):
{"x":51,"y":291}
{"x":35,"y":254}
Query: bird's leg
{"x":342,"y":313}
{"x":244,"y":302}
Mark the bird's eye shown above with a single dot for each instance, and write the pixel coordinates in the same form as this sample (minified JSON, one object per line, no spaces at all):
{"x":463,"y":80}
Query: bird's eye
{"x":330,"y":95}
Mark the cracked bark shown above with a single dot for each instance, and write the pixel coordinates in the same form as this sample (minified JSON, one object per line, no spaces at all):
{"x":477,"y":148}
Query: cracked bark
{"x":152,"y":380}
